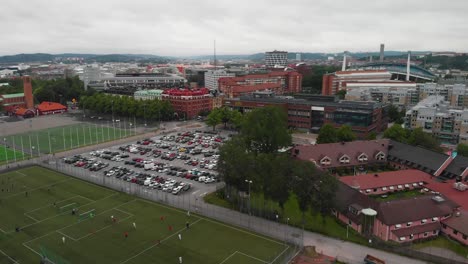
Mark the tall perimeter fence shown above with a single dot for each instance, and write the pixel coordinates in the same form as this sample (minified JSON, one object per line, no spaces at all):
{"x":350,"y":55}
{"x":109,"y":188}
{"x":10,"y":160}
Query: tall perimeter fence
{"x":291,"y":237}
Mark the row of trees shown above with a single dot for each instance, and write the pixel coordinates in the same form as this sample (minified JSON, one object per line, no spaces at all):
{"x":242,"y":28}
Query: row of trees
{"x":127,"y":106}
{"x":252,"y":157}
{"x":415,"y":137}
{"x":329,"y":134}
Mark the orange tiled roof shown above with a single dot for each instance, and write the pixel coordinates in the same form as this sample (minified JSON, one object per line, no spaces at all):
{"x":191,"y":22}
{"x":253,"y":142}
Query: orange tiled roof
{"x":50,"y":106}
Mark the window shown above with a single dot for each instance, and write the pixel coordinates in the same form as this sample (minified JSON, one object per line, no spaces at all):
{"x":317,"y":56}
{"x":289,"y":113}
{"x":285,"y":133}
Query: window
{"x":368,"y":190}
{"x":402,"y":238}
{"x":455,"y":232}
{"x":434,"y":232}
{"x":409,"y":223}
{"x":444,"y":226}
{"x":426,"y":234}
{"x":392,"y":188}
{"x":397,"y":226}
{"x":423,"y":221}
{"x":384,"y":188}
{"x":434,"y":219}
{"x":464,"y":237}
{"x":411,"y":236}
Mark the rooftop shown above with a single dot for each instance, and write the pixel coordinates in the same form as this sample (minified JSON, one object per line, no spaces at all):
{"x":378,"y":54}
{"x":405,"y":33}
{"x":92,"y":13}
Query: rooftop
{"x":385,"y":179}
{"x":15,"y":95}
{"x":417,"y":155}
{"x":459,"y":223}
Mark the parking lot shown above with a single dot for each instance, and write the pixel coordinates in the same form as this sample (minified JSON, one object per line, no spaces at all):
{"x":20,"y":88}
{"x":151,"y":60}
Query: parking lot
{"x":180,"y":163}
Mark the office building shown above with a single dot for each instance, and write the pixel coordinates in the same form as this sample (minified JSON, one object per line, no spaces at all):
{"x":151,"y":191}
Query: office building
{"x":334,"y":82}
{"x":129,"y":83}
{"x":309,"y":112}
{"x":400,"y":94}
{"x":212,"y":77}
{"x":276,"y":59}
{"x":279,"y":82}
{"x":148,"y":94}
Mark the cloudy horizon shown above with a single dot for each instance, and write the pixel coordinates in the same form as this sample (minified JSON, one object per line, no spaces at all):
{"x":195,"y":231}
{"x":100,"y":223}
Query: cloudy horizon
{"x":188,"y":28}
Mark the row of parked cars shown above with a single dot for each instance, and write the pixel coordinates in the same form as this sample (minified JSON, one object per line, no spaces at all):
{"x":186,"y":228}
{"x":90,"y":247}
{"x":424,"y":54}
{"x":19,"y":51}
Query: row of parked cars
{"x":149,"y":180}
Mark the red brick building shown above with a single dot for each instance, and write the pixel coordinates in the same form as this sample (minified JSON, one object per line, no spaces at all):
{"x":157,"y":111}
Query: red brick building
{"x":11,"y":102}
{"x":188,"y":104}
{"x":279,"y":82}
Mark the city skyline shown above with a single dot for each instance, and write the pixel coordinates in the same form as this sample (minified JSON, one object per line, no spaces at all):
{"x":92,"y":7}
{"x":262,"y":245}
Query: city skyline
{"x":187,"y":28}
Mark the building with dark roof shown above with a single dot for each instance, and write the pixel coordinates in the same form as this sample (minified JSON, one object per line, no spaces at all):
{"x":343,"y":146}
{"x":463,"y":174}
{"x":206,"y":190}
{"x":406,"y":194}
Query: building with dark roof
{"x":129,"y":83}
{"x":400,"y":221}
{"x":457,"y":227}
{"x":311,"y":112}
{"x":344,"y":154}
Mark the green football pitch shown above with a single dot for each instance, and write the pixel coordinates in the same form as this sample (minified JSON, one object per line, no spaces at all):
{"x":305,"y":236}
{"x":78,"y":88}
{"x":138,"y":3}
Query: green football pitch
{"x":63,"y":138}
{"x":8,"y":152}
{"x":39,"y":202}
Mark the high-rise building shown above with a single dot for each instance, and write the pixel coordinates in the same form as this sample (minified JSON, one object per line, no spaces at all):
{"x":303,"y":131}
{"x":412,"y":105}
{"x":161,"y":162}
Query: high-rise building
{"x":382,"y":50}
{"x":275,"y":59}
{"x":212,"y":77}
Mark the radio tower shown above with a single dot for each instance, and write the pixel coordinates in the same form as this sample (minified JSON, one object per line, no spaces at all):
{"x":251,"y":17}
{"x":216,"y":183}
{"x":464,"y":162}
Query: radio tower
{"x":214,"y":47}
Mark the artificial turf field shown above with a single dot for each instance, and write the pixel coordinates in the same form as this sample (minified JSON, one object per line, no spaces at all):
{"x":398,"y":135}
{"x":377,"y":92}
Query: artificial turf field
{"x":65,"y":137}
{"x":29,"y":204}
{"x":10,"y":154}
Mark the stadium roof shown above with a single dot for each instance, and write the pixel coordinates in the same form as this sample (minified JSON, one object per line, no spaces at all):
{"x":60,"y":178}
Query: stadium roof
{"x":12,"y":95}
{"x":400,"y":68}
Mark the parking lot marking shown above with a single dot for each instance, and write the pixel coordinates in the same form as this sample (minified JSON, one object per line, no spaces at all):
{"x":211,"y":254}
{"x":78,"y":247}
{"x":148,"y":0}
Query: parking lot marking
{"x":203,"y":194}
{"x":195,"y":192}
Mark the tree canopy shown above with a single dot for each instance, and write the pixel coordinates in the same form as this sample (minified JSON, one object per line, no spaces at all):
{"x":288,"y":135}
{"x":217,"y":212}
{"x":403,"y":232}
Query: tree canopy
{"x":396,"y":132}
{"x":462,"y":149}
{"x":327,"y":134}
{"x":345,"y":134}
{"x":253,"y":155}
{"x":266,"y":130}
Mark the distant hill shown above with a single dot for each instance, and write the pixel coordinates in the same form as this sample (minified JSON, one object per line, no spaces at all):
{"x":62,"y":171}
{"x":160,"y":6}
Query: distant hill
{"x":45,"y":57}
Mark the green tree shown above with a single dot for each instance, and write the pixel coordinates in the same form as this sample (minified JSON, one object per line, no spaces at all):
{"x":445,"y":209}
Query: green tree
{"x":345,"y":133}
{"x":396,"y":132}
{"x":236,"y":119}
{"x":462,"y":149}
{"x":327,"y":134}
{"x":214,"y":118}
{"x":371,"y":136}
{"x":419,"y":138}
{"x":265,"y":130}
{"x":303,"y":184}
{"x":341,"y":94}
{"x":395,"y":115}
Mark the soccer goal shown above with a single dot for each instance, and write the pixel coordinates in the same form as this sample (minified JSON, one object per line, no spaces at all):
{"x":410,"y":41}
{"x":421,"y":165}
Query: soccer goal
{"x":68,"y":207}
{"x":89,"y":214}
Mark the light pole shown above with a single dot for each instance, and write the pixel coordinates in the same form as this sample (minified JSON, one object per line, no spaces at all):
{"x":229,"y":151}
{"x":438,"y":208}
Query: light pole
{"x":144,"y":112}
{"x":249,"y":183}
{"x":6,"y":154}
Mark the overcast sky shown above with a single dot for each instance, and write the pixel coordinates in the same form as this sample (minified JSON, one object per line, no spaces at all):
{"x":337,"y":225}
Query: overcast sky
{"x":188,"y":27}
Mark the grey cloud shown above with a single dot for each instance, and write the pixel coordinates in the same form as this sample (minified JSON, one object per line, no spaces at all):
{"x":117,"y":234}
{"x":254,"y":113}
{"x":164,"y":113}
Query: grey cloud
{"x":187,"y":27}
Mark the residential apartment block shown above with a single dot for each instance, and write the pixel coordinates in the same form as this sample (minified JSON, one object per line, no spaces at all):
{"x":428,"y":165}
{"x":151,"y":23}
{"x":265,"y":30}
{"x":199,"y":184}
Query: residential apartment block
{"x":188,"y":104}
{"x":337,"y":81}
{"x":436,"y":116}
{"x":276,"y":59}
{"x":212,"y":77}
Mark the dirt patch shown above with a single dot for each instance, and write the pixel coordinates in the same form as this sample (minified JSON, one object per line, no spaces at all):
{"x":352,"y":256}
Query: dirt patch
{"x":309,"y":256}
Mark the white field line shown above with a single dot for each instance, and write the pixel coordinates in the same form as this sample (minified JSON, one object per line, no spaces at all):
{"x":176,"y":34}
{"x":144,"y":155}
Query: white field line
{"x":25,"y":243}
{"x":280,"y":254}
{"x":66,"y":205}
{"x":39,"y":208}
{"x":40,"y":187}
{"x":35,"y":220}
{"x":63,"y":213}
{"x":20,"y":173}
{"x":175,"y":233}
{"x":252,"y":257}
{"x":167,"y":207}
{"x":230,"y":256}
{"x":85,"y":236}
{"x":58,"y":231}
{"x":243,"y":231}
{"x":3,"y":231}
{"x":10,"y":258}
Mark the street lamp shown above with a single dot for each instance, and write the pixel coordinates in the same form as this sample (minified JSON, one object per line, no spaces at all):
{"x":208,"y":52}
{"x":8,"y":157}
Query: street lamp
{"x":6,"y":154}
{"x":144,"y":112}
{"x":249,"y":182}
{"x":113,"y":111}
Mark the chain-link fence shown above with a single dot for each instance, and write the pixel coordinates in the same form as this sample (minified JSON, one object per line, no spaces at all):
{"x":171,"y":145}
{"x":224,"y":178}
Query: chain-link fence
{"x":290,"y":237}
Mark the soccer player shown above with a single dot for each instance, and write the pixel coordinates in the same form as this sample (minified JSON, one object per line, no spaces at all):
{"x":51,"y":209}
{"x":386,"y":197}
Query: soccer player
{"x":188,"y":213}
{"x":63,"y":240}
{"x":134,"y":225}
{"x":187,"y":225}
{"x":180,"y":236}
{"x":126,"y":234}
{"x":180,"y":260}
{"x":169,"y":228}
